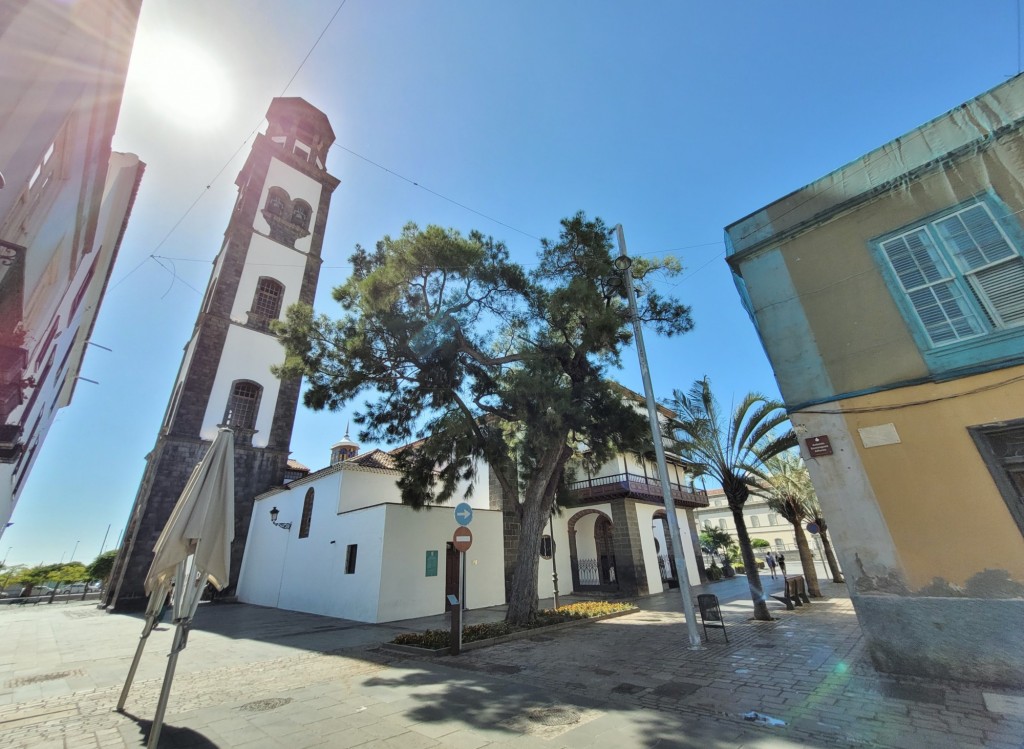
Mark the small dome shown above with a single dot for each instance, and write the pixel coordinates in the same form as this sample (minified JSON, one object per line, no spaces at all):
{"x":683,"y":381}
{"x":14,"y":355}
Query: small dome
{"x":344,"y":449}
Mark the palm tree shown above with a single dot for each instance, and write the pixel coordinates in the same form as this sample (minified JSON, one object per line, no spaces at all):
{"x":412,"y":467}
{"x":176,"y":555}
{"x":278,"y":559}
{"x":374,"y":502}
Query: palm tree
{"x":728,"y":448}
{"x":818,"y":517}
{"x":783,"y":481}
{"x":715,"y":539}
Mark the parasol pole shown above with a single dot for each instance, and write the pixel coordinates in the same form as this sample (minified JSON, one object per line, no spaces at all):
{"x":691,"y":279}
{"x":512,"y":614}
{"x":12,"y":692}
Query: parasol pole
{"x":180,"y":639}
{"x":152,"y":612}
{"x":188,"y":589}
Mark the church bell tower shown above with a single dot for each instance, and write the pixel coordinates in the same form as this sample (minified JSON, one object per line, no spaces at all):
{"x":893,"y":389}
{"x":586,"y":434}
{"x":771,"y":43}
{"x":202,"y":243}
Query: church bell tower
{"x":270,"y":259}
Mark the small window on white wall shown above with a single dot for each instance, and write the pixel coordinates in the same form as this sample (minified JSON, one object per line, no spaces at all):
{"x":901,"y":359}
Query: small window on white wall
{"x":350,"y":559}
{"x":546,"y":546}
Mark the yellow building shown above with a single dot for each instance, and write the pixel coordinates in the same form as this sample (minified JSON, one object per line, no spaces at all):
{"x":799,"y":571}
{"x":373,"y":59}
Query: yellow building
{"x":889,"y":296}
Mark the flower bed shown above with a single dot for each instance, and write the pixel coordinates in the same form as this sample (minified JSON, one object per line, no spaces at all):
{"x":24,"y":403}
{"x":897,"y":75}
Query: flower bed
{"x":440,"y":639}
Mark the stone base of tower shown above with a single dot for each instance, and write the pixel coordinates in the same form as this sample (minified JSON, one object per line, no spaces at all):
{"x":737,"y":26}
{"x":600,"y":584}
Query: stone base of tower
{"x":168,"y":469}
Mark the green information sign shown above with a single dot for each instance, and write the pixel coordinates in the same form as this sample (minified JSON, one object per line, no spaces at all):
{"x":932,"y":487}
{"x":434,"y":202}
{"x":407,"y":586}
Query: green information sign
{"x":432,"y":564}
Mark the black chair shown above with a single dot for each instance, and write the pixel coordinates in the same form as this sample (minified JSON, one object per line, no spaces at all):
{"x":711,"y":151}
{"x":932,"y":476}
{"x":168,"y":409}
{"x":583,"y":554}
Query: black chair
{"x":710,"y":613}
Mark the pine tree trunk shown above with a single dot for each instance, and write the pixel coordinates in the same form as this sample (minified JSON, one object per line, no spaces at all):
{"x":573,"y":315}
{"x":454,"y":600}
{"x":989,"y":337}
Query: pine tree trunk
{"x":538,"y":497}
{"x":761,"y":612}
{"x":806,"y":561}
{"x":830,"y":556}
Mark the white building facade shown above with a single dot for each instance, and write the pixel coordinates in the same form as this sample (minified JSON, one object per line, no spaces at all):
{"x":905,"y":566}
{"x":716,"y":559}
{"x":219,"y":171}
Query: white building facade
{"x":344,"y":545}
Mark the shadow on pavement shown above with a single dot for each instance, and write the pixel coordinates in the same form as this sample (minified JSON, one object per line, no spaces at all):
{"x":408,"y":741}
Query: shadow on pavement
{"x":171,"y":736}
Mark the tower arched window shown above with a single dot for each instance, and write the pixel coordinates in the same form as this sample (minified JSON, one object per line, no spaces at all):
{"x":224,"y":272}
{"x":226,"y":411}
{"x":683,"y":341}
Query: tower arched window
{"x":300,"y":213}
{"x":243,"y":404}
{"x":277,"y":201}
{"x":267,"y":302}
{"x":307,"y":514}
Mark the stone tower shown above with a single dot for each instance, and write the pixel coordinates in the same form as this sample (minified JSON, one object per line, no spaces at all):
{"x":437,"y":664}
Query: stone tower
{"x":270,"y":259}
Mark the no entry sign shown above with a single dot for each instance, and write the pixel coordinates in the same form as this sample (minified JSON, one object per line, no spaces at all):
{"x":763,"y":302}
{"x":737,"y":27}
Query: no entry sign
{"x":462,"y":539}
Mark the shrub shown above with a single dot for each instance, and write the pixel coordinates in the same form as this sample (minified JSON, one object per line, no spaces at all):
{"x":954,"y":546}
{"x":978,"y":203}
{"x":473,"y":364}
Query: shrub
{"x":740,"y":569}
{"x":434,"y":639}
{"x":714,"y":573}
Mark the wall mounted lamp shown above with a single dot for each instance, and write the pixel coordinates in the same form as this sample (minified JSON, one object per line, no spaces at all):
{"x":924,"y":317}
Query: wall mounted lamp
{"x":273,"y":519}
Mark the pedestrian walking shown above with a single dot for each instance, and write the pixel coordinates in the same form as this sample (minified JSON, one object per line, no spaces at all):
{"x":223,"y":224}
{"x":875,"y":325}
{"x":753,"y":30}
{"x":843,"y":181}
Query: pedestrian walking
{"x":769,"y":559}
{"x":781,"y":559}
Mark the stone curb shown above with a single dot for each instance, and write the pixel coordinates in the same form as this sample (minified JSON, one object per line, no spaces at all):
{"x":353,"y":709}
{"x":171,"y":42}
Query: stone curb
{"x":477,"y":644}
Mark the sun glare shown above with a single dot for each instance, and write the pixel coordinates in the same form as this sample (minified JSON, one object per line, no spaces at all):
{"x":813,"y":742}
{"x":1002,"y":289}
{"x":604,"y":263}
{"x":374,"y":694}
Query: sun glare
{"x":181,"y":82}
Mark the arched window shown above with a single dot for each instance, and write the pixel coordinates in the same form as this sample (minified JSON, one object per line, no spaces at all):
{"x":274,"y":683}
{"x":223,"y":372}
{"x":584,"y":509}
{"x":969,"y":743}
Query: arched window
{"x":307,"y":514}
{"x":300,"y":213}
{"x":267,"y":302}
{"x":277,"y":200}
{"x":243,"y":404}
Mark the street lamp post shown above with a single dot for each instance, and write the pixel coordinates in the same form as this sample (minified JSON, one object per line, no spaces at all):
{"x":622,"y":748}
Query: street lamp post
{"x":554,"y":567}
{"x":622,"y":264}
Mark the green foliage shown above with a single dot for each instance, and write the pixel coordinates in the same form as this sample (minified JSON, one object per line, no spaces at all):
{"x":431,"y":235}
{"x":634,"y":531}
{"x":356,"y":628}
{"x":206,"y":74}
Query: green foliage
{"x":102,"y":565}
{"x":714,"y":538}
{"x":740,"y":569}
{"x":759,"y":543}
{"x":714,"y":572}
{"x":71,"y":572}
{"x":434,"y":639}
{"x":784,"y":482}
{"x":480,"y":361}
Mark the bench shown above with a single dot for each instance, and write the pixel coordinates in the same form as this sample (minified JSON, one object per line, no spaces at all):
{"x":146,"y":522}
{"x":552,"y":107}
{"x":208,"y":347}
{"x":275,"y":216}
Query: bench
{"x":710,"y":613}
{"x":794,"y":592}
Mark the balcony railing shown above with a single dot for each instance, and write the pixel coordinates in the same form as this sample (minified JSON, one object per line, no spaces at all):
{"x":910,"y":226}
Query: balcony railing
{"x":637,"y":487}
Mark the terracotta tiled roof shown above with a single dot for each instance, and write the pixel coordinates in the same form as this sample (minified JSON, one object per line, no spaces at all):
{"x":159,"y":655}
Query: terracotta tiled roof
{"x":294,"y":465}
{"x":375,"y":459}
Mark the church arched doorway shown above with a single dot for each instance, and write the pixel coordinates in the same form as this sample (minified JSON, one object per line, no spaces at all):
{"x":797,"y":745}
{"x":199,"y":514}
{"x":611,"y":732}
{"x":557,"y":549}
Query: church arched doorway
{"x":592,"y":551}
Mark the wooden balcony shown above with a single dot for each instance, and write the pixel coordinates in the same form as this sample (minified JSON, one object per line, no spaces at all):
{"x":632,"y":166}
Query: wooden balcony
{"x":634,"y":486}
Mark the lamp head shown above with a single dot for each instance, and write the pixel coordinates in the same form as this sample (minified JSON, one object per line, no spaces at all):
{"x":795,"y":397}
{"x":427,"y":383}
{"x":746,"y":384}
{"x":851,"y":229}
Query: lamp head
{"x":273,"y":515}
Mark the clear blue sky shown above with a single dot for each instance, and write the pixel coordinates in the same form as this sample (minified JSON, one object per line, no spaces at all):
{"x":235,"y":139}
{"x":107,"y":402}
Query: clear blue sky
{"x":671,"y":118}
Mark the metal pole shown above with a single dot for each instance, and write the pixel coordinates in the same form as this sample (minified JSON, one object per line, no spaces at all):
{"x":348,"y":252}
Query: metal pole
{"x":74,"y":551}
{"x":131,"y":671}
{"x":554,"y":567}
{"x":165,"y":689}
{"x":104,"y":544}
{"x":462,"y":585}
{"x":821,"y":552}
{"x":659,"y":453}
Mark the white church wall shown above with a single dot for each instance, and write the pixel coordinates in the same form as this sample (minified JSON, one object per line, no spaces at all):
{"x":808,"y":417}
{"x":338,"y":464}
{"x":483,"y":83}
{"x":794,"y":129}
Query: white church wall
{"x":366,"y":488}
{"x":268,"y":258}
{"x":407,"y":592}
{"x":297,"y":185}
{"x":261,"y":576}
{"x":245,"y":352}
{"x":309,"y":574}
{"x":320,"y":583}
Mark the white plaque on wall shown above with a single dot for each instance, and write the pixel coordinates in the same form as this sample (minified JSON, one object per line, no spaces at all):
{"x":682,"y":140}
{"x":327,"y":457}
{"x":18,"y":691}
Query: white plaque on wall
{"x":883,"y":434}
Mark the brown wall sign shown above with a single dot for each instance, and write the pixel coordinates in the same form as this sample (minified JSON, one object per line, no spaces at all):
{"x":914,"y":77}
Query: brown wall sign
{"x":818,"y":447}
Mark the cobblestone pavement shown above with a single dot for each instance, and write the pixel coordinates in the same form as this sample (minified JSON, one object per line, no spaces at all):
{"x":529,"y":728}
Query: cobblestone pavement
{"x":254,"y":677}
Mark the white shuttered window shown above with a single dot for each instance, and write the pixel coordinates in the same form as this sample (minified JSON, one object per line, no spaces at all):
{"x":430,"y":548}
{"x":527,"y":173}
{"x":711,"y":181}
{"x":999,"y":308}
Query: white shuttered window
{"x":961,"y":273}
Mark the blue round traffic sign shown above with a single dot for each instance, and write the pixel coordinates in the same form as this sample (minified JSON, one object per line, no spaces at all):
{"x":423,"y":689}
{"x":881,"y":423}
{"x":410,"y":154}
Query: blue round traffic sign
{"x":463,"y":513}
